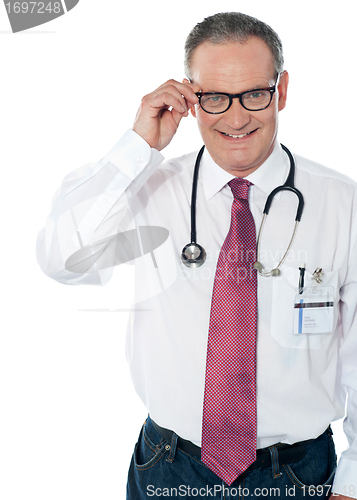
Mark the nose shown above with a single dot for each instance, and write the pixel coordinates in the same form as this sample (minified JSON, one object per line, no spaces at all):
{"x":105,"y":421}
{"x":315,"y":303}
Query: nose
{"x":236,"y":116}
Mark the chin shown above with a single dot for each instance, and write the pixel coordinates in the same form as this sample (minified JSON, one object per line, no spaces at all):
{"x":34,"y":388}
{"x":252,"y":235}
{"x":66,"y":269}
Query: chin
{"x":238,"y":165}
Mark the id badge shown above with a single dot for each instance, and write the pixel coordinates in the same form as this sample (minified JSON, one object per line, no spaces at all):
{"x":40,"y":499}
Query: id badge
{"x":313,"y":310}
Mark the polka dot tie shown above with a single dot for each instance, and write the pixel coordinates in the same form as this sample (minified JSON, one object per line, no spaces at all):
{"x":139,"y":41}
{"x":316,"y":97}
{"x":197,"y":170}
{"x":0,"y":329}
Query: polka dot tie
{"x":229,"y":426}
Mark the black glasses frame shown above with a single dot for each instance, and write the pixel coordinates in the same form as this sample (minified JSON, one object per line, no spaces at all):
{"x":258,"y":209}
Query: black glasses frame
{"x":237,"y":96}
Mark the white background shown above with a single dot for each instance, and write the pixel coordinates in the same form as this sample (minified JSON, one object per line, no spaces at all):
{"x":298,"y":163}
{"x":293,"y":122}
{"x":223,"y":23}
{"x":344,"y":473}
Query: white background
{"x":69,"y":417}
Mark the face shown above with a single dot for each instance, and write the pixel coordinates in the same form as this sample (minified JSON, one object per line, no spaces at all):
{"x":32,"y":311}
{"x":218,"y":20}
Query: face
{"x":233,"y":68}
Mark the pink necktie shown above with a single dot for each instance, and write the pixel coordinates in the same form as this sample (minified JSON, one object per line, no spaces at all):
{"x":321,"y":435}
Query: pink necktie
{"x":229,"y":426}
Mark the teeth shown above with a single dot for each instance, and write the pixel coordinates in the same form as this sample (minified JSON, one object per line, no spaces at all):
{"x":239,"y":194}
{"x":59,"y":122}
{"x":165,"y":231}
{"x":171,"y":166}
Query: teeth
{"x":236,"y":136}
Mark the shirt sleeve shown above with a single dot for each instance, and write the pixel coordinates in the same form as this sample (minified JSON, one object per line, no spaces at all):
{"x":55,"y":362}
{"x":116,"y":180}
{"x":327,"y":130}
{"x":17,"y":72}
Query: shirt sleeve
{"x":345,"y":482}
{"x":79,"y":243}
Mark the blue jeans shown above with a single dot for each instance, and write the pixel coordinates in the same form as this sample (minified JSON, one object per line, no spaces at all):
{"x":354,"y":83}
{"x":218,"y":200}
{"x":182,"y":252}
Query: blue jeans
{"x":159,"y":469}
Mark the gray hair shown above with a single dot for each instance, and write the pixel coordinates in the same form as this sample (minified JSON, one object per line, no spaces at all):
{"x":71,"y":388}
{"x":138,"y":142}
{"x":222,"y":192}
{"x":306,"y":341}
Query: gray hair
{"x":232,"y":27}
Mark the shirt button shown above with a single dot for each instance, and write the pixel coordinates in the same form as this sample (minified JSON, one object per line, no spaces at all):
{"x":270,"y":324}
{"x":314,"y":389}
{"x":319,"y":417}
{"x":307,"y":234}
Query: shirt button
{"x":139,"y":160}
{"x":167,"y":447}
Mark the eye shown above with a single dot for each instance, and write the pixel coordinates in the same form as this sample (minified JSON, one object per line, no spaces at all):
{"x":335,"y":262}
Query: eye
{"x":215,"y":98}
{"x":255,"y":95}
{"x":256,"y":99}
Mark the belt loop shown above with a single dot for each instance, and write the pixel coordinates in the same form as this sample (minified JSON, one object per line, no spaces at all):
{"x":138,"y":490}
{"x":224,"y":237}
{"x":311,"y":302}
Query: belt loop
{"x":275,"y":462}
{"x":172,"y":448}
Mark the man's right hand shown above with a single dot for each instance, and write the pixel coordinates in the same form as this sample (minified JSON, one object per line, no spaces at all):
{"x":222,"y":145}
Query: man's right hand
{"x":161,"y":111}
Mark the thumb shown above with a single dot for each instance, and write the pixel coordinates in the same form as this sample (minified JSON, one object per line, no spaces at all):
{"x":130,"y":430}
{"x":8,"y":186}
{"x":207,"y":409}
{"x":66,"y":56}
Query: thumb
{"x":177,"y":117}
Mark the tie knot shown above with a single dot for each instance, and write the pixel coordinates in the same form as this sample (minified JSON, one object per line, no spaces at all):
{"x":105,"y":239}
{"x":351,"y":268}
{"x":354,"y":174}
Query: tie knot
{"x":240,"y":187}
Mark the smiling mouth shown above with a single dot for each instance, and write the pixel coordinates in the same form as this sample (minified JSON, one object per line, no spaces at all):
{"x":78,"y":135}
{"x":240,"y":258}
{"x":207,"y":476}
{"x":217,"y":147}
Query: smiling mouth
{"x":238,"y":136}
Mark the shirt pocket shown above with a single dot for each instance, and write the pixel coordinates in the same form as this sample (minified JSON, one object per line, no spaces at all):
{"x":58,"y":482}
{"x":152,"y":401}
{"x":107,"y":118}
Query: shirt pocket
{"x":284,"y":290}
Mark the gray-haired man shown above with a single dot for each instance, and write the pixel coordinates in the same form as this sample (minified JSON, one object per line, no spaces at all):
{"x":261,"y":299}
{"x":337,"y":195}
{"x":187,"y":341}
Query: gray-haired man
{"x":292,"y":381}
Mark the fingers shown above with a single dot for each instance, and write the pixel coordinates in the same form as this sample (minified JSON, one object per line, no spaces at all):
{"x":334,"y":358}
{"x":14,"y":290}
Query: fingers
{"x":164,"y":100}
{"x":180,"y":96}
{"x":194,"y":87}
{"x":161,"y":111}
{"x":190,"y":95}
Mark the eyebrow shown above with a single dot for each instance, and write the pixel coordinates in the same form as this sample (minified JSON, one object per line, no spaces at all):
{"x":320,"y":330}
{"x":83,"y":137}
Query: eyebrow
{"x":256,"y":87}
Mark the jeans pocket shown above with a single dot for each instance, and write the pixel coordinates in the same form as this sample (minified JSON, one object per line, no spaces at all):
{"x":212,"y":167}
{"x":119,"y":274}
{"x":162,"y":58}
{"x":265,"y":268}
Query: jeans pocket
{"x":316,"y":470}
{"x":149,"y":449}
{"x":316,"y":487}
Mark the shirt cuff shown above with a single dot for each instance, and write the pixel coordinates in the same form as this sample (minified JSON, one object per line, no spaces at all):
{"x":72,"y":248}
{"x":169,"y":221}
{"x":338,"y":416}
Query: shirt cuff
{"x":345,"y":482}
{"x":131,"y":154}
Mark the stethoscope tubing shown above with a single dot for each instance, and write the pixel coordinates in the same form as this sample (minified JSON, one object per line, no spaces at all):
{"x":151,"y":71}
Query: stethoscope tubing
{"x":194,"y":255}
{"x":289,"y":185}
{"x":194,"y":196}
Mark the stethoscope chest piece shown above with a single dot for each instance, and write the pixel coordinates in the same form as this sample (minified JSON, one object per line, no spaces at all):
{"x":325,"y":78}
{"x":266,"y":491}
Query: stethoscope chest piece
{"x":193,"y":255}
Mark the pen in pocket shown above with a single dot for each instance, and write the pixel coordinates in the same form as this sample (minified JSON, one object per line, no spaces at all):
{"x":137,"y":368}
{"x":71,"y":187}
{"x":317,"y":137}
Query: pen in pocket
{"x":301,"y":278}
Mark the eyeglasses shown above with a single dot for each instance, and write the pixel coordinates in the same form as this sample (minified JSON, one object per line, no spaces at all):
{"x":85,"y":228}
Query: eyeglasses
{"x":252,"y":100}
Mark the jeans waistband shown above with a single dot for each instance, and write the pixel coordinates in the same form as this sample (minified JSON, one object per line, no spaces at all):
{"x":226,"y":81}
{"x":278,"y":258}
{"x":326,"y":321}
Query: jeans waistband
{"x":287,"y":453}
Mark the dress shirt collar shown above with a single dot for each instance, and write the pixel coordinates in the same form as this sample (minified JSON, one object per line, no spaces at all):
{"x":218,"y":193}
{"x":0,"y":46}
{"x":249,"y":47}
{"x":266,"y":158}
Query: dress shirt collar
{"x":269,"y":175}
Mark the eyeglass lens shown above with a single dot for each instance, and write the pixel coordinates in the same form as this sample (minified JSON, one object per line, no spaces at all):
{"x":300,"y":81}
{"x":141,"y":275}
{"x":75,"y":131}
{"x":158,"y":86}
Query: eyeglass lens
{"x":253,"y":101}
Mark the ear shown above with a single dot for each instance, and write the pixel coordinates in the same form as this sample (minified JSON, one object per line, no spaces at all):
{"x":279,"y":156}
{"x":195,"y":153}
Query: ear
{"x":283,"y":90}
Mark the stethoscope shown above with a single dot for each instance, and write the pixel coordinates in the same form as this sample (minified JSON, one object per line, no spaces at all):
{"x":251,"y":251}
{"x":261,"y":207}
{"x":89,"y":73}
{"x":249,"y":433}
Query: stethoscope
{"x":193,"y":255}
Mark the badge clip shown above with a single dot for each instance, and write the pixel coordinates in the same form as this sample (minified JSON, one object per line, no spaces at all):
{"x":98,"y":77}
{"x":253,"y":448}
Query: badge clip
{"x":317,"y":275}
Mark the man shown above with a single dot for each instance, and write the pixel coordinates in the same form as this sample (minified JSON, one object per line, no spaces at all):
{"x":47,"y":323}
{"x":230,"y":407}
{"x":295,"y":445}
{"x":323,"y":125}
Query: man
{"x":241,"y":376}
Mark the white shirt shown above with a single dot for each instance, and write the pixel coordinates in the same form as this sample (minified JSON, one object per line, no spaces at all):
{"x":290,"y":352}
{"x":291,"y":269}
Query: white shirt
{"x":302,"y":380}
